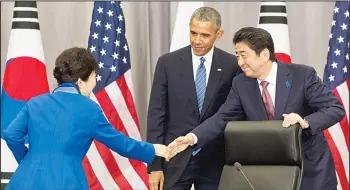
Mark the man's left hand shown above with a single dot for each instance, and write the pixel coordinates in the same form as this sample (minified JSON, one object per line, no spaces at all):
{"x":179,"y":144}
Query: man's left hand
{"x":293,"y":118}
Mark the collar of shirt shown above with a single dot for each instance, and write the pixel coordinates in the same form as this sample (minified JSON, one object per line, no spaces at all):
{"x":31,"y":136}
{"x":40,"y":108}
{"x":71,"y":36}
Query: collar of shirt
{"x":272,"y":76}
{"x":67,"y":87}
{"x":208,"y":57}
{"x":207,"y":63}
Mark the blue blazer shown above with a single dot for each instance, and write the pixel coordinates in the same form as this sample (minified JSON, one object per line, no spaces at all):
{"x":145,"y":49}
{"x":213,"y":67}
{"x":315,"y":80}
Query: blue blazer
{"x":305,"y":95}
{"x":61,"y":127}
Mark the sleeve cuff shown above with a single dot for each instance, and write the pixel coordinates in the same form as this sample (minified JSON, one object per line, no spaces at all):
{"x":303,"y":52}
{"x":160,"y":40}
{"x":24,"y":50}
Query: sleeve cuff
{"x":194,"y":137}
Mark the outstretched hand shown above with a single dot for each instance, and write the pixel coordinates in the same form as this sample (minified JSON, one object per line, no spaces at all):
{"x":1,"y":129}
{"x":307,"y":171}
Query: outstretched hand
{"x":179,"y":144}
{"x":162,"y":151}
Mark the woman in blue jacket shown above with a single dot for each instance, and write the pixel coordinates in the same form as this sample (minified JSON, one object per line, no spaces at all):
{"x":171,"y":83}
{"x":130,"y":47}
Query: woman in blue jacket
{"x":61,"y":127}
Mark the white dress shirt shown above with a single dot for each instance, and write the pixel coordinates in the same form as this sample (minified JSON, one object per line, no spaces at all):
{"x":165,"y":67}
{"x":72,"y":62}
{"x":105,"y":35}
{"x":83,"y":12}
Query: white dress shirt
{"x":271,"y":88}
{"x":207,"y":63}
{"x":271,"y":78}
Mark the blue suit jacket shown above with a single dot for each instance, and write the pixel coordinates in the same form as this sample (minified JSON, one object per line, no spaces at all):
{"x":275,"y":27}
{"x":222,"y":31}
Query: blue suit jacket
{"x":307,"y":96}
{"x":61,"y":127}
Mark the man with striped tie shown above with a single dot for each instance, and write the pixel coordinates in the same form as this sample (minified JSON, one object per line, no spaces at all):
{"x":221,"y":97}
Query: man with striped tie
{"x":189,"y":86}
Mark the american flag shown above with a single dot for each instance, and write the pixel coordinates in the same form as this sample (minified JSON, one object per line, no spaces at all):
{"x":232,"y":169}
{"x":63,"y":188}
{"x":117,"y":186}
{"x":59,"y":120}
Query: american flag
{"x":336,"y":77}
{"x":104,"y":168}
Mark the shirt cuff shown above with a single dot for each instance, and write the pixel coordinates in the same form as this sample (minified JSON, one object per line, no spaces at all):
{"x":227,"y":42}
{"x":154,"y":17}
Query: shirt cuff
{"x":194,"y":137}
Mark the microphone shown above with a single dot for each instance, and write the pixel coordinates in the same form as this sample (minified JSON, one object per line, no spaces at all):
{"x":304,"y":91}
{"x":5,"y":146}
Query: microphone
{"x":238,"y":167}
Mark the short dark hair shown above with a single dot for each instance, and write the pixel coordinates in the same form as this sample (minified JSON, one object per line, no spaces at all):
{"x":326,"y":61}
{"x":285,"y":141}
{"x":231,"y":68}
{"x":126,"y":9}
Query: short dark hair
{"x":74,"y":63}
{"x":257,"y":39}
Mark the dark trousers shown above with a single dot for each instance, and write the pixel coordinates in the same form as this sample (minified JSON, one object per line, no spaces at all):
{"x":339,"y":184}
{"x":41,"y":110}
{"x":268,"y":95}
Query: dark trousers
{"x":195,"y":173}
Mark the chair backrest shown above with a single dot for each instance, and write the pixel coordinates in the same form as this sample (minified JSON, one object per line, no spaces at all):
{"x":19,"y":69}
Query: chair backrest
{"x":270,"y":156}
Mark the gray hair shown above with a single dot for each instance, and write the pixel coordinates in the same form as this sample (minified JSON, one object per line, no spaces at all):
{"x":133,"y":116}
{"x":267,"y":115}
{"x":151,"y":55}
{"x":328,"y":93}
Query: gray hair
{"x":207,"y":14}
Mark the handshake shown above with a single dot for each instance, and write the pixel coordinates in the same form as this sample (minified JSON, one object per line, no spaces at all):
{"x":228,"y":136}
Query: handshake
{"x":178,"y":145}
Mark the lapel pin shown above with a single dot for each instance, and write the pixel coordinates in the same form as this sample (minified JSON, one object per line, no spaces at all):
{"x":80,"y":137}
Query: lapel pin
{"x":287,"y":84}
{"x":219,"y":69}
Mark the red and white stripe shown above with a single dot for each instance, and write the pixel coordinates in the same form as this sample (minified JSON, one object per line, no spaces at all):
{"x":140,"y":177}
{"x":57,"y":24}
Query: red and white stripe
{"x":338,"y":138}
{"x":104,"y":168}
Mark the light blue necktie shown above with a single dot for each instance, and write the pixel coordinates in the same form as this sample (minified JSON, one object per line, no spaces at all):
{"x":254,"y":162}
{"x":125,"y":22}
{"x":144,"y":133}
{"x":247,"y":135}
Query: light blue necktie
{"x":200,"y":88}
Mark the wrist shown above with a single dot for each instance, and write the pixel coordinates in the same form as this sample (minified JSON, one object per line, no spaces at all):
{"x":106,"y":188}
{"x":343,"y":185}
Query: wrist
{"x":191,"y":139}
{"x":156,"y":149}
{"x":156,"y":171}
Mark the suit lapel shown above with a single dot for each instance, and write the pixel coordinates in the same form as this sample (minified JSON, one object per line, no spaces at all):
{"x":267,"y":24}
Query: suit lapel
{"x":187,"y":75}
{"x":213,"y":82}
{"x":253,"y":92}
{"x":283,"y":86}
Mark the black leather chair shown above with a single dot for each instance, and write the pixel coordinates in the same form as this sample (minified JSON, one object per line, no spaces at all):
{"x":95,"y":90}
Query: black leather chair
{"x":269,"y":155}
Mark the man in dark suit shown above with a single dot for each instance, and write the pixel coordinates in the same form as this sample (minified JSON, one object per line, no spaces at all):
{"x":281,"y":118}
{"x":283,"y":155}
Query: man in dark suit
{"x":271,"y":90}
{"x":189,"y":86}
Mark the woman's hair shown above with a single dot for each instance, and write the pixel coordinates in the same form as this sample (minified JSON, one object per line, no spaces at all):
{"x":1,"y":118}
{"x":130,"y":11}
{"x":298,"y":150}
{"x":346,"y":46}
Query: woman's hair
{"x":74,"y":63}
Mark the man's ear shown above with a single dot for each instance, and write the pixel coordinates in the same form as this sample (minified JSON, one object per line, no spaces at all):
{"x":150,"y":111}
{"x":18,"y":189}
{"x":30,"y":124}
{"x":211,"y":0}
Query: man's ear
{"x":219,"y":34}
{"x":265,"y":54}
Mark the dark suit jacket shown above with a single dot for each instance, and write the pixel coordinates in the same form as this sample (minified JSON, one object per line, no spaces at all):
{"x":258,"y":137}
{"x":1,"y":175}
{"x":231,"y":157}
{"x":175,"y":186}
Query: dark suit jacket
{"x":306,"y":96}
{"x":173,"y":109}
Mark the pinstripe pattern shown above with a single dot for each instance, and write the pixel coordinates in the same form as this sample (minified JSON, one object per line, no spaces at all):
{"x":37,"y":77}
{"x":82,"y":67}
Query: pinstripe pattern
{"x":201,"y":84}
{"x":201,"y":79}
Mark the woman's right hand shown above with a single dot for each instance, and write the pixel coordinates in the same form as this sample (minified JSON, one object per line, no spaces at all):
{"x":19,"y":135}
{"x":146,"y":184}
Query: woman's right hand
{"x":162,"y":151}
